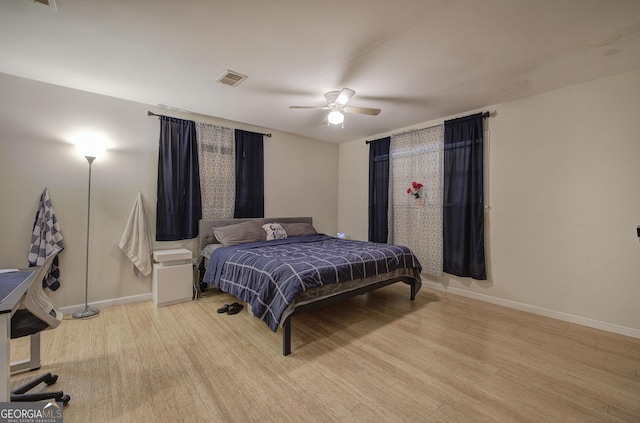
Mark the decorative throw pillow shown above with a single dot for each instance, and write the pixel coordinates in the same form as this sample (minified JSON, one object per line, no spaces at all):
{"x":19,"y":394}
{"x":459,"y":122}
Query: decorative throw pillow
{"x":298,"y":229}
{"x":240,"y":233}
{"x":274,"y":231}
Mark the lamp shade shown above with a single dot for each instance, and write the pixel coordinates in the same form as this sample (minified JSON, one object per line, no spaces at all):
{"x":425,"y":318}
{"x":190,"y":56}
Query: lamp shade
{"x":90,"y":144}
{"x":335,"y":117}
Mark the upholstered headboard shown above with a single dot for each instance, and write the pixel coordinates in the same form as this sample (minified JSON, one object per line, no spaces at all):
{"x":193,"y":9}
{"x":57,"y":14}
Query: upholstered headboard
{"x":206,"y":226}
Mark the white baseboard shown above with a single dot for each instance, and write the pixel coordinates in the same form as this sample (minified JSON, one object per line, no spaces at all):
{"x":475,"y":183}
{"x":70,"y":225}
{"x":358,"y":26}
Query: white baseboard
{"x":584,"y":321}
{"x":566,"y":317}
{"x":109,"y":303}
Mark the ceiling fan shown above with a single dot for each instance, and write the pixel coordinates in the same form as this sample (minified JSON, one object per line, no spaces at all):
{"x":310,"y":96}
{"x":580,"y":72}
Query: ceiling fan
{"x":337,"y":104}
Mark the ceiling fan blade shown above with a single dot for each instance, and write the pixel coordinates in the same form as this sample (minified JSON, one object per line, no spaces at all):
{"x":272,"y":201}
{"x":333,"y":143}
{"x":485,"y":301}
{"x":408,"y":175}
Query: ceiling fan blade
{"x":344,"y":96}
{"x":310,"y":107}
{"x":362,"y":110}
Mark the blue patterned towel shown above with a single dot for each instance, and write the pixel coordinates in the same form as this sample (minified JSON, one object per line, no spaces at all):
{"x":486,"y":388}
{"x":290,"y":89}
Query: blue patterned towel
{"x":46,"y":240}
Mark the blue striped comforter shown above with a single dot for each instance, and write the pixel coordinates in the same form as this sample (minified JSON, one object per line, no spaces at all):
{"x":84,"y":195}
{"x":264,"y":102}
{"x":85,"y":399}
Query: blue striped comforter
{"x":269,"y":274}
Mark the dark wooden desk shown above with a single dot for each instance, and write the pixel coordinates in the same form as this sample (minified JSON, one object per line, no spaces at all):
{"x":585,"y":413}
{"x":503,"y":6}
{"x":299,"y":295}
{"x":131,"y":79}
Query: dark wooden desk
{"x":13,"y":286}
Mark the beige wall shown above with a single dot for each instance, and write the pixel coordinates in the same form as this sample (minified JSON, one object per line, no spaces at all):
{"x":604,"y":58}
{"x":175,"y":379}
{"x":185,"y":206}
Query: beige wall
{"x":563,"y":188}
{"x":36,"y":121}
{"x":564,"y":197}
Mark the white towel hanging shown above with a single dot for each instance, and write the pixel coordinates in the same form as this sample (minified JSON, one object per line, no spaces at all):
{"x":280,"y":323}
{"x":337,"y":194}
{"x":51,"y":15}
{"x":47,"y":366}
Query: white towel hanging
{"x":136,"y":240}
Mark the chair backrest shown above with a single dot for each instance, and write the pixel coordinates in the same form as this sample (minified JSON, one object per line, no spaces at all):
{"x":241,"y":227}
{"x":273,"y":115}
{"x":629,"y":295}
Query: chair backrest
{"x":38,"y":303}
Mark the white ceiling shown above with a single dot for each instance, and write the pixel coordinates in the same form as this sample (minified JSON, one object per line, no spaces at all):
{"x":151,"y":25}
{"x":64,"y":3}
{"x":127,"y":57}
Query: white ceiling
{"x":417,"y":60}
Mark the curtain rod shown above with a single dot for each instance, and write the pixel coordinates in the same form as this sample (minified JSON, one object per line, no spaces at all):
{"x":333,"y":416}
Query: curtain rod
{"x":484,"y":115}
{"x":150,"y":113}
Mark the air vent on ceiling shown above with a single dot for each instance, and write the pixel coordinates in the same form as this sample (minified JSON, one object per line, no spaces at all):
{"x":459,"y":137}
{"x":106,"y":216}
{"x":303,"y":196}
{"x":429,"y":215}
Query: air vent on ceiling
{"x":232,"y":78}
{"x":49,"y":3}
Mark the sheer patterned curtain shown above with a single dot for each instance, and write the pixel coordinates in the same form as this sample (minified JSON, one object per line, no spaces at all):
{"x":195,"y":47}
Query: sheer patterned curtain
{"x":217,"y":170}
{"x":417,"y":156}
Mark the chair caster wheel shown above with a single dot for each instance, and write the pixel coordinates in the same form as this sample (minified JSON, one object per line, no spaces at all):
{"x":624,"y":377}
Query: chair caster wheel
{"x":65,"y":399}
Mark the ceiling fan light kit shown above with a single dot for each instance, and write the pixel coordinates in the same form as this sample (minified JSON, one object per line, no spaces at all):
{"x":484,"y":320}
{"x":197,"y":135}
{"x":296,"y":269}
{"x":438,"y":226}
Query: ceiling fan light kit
{"x":337,"y":104}
{"x":335,"y":117}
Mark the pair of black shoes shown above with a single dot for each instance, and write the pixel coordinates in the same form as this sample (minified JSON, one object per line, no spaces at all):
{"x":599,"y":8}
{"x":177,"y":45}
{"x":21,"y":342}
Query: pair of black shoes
{"x":230,"y":308}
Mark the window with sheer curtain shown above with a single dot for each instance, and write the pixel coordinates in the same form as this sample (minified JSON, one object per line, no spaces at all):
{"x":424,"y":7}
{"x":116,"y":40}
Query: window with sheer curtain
{"x":417,"y":156}
{"x":201,"y":176}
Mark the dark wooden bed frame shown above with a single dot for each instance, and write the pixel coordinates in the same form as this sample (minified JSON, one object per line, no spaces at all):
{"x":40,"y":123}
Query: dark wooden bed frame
{"x":206,"y":237}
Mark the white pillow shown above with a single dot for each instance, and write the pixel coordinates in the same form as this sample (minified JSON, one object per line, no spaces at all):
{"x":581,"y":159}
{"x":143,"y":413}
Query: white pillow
{"x":274,"y":231}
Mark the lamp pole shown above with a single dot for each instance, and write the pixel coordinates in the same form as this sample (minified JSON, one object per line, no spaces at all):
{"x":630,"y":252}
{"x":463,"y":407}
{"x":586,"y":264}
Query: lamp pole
{"x":87,"y":311}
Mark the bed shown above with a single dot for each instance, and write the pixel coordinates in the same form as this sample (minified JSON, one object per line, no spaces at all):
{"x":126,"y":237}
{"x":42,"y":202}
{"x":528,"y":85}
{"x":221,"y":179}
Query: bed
{"x":282,"y":267}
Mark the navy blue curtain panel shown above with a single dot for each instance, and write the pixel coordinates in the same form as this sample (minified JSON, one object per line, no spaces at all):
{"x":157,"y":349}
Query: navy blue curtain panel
{"x":379,"y":189}
{"x":463,"y":215}
{"x":179,"y":204}
{"x":249,"y":174}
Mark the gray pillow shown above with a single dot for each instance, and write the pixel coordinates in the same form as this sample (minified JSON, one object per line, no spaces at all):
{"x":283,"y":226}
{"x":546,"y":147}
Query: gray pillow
{"x":240,"y":233}
{"x":206,"y":251}
{"x":298,"y":229}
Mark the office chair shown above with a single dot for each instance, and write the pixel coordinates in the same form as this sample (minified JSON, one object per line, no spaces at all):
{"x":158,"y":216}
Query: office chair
{"x":35,"y":314}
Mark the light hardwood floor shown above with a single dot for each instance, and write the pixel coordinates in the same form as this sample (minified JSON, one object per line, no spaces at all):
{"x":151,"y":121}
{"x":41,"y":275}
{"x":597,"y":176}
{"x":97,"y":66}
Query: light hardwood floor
{"x":373,"y":358}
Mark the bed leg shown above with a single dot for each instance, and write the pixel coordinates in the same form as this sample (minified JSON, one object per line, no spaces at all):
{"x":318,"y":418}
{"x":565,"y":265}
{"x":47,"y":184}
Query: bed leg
{"x":286,"y":337}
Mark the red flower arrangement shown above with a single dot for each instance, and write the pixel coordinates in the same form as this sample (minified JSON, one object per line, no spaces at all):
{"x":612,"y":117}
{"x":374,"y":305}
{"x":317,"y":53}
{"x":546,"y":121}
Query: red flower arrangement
{"x":415,"y":189}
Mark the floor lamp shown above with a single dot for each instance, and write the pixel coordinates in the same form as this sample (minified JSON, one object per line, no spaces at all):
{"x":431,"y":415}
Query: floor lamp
{"x":87,"y":311}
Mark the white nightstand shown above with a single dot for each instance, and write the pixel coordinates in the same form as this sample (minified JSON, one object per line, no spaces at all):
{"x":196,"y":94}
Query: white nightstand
{"x":172,"y":280}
